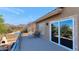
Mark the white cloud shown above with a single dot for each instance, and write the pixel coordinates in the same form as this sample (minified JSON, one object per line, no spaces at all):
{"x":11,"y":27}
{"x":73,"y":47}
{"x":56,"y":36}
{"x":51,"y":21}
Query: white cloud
{"x":19,"y":10}
{"x":16,"y":11}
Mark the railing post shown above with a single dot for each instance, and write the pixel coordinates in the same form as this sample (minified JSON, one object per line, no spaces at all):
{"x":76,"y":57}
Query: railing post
{"x":20,"y":41}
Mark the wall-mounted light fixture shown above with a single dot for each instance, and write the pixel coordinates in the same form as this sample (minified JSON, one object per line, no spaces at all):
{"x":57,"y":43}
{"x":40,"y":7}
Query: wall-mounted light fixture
{"x":47,"y":24}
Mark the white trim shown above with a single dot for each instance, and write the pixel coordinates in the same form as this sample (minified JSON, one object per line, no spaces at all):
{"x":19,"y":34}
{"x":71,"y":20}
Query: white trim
{"x":73,"y":35}
{"x":59,"y":32}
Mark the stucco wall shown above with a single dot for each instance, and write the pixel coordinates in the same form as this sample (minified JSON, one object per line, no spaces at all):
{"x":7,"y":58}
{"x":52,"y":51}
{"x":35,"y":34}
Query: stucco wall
{"x":69,"y":11}
{"x":31,"y":27}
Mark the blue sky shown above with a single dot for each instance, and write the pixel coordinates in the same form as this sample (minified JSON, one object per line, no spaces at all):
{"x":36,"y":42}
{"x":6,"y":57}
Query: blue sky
{"x":55,"y":24}
{"x":68,"y":22}
{"x":23,"y":15}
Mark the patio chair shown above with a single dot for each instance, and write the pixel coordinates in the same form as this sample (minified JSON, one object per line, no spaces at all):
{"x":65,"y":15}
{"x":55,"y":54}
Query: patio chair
{"x":37,"y":34}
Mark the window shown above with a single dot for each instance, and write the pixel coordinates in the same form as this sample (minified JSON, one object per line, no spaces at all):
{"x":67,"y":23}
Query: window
{"x":66,"y":28}
{"x":62,"y":32}
{"x":41,"y":28}
{"x":54,"y":32}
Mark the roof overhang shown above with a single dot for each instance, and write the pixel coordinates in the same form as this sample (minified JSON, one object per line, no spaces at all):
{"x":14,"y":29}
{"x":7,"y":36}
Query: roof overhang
{"x":52,"y":13}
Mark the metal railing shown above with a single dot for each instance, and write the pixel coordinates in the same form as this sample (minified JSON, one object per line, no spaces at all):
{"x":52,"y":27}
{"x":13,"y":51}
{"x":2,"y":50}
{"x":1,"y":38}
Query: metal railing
{"x":17,"y":45}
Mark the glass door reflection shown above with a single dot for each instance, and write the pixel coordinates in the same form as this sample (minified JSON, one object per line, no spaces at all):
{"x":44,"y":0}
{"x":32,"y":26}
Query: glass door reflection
{"x":66,"y":34}
{"x":54,"y":32}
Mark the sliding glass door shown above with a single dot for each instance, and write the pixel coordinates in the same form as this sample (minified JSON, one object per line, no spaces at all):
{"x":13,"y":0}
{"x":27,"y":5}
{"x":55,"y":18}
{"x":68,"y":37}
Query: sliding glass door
{"x":54,"y":32}
{"x":66,"y":33}
{"x":62,"y":32}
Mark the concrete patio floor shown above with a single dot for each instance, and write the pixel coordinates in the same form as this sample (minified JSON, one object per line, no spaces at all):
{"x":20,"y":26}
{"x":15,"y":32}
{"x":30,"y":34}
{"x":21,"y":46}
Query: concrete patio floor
{"x":38,"y":44}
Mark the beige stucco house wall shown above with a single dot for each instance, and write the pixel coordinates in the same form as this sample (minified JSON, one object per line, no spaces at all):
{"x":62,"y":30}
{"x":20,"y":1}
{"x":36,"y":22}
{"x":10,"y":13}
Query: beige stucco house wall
{"x":31,"y":27}
{"x":58,"y":14}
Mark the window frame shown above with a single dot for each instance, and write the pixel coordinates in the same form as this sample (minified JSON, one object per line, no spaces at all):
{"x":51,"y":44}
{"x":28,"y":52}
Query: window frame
{"x":60,"y":20}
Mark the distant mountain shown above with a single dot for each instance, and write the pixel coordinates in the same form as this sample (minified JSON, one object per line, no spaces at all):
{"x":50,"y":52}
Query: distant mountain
{"x":12,"y":27}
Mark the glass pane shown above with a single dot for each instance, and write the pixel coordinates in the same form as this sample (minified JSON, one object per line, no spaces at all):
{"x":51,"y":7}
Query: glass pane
{"x":54,"y":32}
{"x":66,"y":34}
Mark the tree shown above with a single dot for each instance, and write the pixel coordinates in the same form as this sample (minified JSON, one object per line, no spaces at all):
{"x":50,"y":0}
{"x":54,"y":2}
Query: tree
{"x":54,"y":30}
{"x":3,"y":28}
{"x":1,"y":19}
{"x":66,"y":31}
